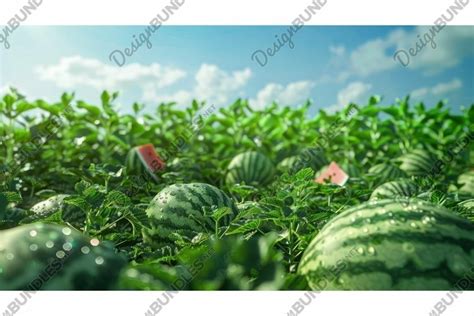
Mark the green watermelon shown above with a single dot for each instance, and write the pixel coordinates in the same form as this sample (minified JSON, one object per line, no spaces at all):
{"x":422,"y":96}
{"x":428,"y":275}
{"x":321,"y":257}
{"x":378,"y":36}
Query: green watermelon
{"x":56,"y":203}
{"x":466,"y":180}
{"x":55,"y":257}
{"x":313,"y":158}
{"x":143,"y":160}
{"x":384,"y":245}
{"x":251,"y":168}
{"x":392,"y":189}
{"x":179,"y":209}
{"x":385,"y":172}
{"x":351,"y":170}
{"x":418,"y":162}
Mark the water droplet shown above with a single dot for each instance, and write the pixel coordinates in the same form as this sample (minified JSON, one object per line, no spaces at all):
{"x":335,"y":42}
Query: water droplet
{"x":412,"y":224}
{"x":390,"y":214}
{"x":368,"y":220}
{"x":33,"y":247}
{"x":392,"y":222}
{"x":60,"y":254}
{"x":340,"y":281}
{"x":67,"y":246}
{"x":408,"y":247}
{"x":360,"y":250}
{"x":95,"y":242}
{"x":33,"y":233}
{"x":371,"y":250}
{"x":10,"y":256}
{"x":353,"y":219}
{"x":66,"y":231}
{"x":85,"y":250}
{"x":49,"y":244}
{"x":366,"y":230}
{"x":99,"y":260}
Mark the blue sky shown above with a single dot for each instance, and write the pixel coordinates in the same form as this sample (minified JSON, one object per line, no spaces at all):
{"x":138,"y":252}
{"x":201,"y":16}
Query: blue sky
{"x":329,"y":65}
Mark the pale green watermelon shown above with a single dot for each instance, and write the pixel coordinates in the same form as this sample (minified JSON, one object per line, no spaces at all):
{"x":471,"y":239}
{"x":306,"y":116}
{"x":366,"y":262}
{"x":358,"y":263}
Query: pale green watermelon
{"x":385,"y":172}
{"x":392,"y":189}
{"x":407,"y":244}
{"x":418,"y":162}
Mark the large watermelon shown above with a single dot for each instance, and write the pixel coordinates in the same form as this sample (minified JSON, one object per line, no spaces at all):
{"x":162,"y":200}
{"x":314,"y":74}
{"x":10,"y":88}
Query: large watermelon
{"x":418,"y":162}
{"x":143,"y":160}
{"x":179,"y":209}
{"x":392,"y":189}
{"x":54,"y":257}
{"x":385,"y":172}
{"x":383,"y":245}
{"x":56,"y":203}
{"x":251,"y":168}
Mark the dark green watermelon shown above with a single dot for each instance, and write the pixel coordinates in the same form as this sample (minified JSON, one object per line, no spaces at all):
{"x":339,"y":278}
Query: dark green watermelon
{"x":408,"y":244}
{"x":179,"y":211}
{"x":54,"y":257}
{"x":250,"y":168}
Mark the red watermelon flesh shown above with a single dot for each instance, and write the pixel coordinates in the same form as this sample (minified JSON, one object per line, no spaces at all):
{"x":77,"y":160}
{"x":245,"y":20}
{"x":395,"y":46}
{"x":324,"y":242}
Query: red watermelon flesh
{"x":150,"y":158}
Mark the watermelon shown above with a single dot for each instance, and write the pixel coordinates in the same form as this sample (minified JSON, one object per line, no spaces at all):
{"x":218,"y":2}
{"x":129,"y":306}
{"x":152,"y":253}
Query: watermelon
{"x":179,"y":209}
{"x":351,"y":170}
{"x":251,"y":168}
{"x":55,"y":257}
{"x":56,"y":203}
{"x":383,"y":245}
{"x":418,"y":162}
{"x":385,"y":172}
{"x":142,"y":160}
{"x":310,"y":158}
{"x":466,"y":180}
{"x":392,"y":189}
{"x":287,"y":164}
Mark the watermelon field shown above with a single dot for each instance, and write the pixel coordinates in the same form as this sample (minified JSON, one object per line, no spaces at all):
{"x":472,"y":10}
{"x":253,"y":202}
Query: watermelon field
{"x":377,"y":196}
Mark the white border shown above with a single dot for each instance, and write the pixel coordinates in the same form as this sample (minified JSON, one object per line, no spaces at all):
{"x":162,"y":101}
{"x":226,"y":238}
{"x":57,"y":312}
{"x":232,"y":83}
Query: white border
{"x":237,"y":12}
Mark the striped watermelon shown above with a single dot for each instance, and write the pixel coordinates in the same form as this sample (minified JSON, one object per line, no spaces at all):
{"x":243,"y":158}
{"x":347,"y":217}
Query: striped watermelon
{"x":418,"y":162}
{"x":392,"y":189}
{"x":313,"y":158}
{"x":142,"y":160}
{"x":55,"y":257}
{"x":385,"y":172}
{"x":56,"y":203}
{"x":383,"y":245}
{"x":179,"y":209}
{"x":351,"y":170}
{"x":251,"y":168}
{"x":466,"y":180}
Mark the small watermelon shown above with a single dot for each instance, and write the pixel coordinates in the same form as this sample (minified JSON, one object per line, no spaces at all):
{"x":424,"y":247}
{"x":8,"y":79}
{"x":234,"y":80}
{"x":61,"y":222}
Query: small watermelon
{"x":179,"y":209}
{"x":418,"y":162}
{"x":56,"y":203}
{"x":313,"y":158}
{"x":142,"y":160}
{"x":383,"y":245}
{"x":287,"y":164}
{"x":351,"y":170}
{"x":392,"y":189}
{"x":55,"y":257}
{"x":385,"y":172}
{"x":251,"y":168}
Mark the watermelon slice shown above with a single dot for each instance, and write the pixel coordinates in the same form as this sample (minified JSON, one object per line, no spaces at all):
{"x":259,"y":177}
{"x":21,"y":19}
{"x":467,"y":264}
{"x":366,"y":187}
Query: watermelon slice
{"x":150,"y":158}
{"x":334,"y":174}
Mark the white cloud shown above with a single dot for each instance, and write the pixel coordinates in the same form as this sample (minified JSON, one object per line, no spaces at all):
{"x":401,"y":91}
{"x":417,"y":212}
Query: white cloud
{"x":76,"y":71}
{"x":212,"y":84}
{"x":452,"y":45}
{"x":291,"y":94}
{"x":354,"y":92}
{"x":440,"y":88}
{"x":446,"y":87}
{"x":337,"y":50}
